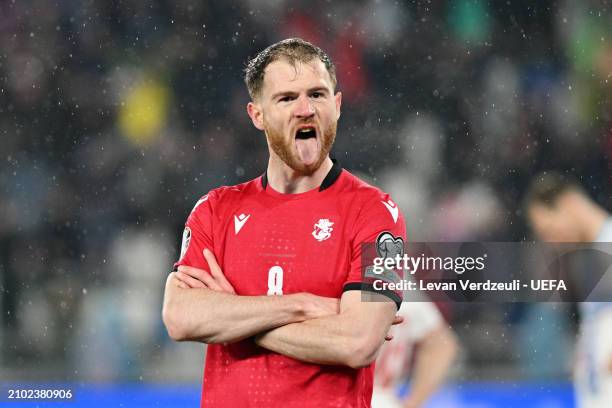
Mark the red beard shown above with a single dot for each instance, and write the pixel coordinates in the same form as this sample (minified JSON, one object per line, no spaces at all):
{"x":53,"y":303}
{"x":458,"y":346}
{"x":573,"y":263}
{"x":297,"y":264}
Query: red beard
{"x":285,"y":148}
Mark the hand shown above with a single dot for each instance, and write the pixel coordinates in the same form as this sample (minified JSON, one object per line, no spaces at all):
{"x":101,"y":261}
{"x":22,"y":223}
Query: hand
{"x":190,"y":277}
{"x":313,"y":307}
{"x":397,"y":320}
{"x":318,"y":306}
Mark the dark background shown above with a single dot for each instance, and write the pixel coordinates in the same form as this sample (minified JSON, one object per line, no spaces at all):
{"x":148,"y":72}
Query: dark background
{"x":115,"y":117}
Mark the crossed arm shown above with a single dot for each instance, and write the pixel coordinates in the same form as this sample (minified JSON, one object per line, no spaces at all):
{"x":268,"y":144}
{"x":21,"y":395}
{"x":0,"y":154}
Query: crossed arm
{"x":352,"y":337}
{"x":202,"y":306}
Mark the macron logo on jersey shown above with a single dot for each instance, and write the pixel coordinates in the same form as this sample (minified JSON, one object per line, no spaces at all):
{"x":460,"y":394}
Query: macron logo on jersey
{"x":392,"y":207}
{"x":239,"y":222}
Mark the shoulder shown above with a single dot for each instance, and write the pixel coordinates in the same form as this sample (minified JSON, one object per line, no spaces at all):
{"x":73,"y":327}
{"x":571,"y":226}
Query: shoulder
{"x":226,"y":196}
{"x":369,"y":198}
{"x":361,"y":188}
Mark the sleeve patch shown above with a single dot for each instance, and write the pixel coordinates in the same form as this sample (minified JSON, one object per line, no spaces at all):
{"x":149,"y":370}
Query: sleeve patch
{"x":389,"y":246}
{"x":185,"y":243}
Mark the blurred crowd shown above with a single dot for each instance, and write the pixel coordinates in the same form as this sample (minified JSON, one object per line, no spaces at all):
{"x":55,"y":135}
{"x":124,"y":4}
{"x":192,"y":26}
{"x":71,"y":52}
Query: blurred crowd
{"x":115,"y":117}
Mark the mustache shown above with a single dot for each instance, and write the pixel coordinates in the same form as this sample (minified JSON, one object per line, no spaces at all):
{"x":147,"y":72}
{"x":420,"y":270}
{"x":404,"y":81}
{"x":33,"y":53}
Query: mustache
{"x":306,"y":123}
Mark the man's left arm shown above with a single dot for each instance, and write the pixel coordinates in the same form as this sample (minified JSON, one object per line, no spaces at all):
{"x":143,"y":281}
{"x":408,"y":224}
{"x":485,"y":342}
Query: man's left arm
{"x":352,"y":337}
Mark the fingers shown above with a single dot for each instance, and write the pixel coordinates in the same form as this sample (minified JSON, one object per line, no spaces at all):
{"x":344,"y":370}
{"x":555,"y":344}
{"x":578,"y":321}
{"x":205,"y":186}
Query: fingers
{"x":396,"y":320}
{"x":188,"y":280}
{"x":210,"y":282}
{"x":333,"y":305}
{"x":198,"y":278}
{"x":201,"y":275}
{"x":178,"y":282}
{"x":217,"y":273}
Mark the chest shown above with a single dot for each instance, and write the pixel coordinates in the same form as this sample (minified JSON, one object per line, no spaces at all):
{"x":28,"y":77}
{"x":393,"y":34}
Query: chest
{"x":286,"y":248}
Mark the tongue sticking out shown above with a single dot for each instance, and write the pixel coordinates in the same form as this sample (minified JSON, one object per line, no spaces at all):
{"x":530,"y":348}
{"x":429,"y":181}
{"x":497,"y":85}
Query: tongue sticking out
{"x":308,"y":150}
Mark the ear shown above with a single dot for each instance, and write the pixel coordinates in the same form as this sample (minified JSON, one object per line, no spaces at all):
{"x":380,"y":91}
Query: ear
{"x":256,"y":115}
{"x":338,"y":98}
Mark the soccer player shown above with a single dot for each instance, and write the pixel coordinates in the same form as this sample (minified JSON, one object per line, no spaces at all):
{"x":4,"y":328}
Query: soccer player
{"x":559,"y":210}
{"x":270,"y":272}
{"x":436,"y":348}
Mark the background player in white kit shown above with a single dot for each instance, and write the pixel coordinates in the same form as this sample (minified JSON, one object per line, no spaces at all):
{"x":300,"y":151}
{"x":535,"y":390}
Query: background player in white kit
{"x":426,"y":332}
{"x":559,"y":210}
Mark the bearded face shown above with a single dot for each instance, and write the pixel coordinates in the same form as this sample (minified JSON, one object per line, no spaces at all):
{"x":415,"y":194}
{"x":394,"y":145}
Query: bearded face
{"x":298,"y":112}
{"x":304,"y":154}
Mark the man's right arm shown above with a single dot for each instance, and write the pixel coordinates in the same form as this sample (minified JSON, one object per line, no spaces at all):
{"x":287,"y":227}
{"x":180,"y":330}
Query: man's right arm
{"x":213,"y":313}
{"x":208,"y":316}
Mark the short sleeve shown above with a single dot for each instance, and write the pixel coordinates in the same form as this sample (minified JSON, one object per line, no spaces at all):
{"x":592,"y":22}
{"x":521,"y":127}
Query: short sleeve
{"x":197,"y":235}
{"x":380,"y":229}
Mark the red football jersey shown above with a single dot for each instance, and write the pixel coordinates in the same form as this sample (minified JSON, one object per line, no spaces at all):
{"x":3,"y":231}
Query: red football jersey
{"x":268,"y":243}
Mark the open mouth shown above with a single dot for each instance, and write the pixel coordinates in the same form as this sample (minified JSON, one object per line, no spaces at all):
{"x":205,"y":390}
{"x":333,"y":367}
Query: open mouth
{"x":307,"y":144}
{"x":306,"y":133}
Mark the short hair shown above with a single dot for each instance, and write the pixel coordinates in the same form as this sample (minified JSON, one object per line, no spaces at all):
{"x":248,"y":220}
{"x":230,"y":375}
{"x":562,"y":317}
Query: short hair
{"x":546,"y":188}
{"x":291,"y":50}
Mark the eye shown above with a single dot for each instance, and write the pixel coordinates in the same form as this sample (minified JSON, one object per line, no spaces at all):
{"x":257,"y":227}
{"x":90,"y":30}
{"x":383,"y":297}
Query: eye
{"x":316,"y":94}
{"x":286,"y":99}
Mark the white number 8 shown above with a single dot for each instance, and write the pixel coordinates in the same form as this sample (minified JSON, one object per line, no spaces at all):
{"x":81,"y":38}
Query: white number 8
{"x":275,"y":281}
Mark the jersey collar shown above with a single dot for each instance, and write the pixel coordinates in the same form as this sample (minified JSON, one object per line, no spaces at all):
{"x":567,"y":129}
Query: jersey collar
{"x":328,"y":181}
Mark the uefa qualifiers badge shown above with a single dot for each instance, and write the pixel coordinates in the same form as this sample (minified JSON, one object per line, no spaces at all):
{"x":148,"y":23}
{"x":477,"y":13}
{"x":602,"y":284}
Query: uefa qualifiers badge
{"x":387,"y":247}
{"x":186,"y":240}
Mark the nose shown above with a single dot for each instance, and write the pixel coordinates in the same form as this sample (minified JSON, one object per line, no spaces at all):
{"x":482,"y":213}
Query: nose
{"x":304,"y":108}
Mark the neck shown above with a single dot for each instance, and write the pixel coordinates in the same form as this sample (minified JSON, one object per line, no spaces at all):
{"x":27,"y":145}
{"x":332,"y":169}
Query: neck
{"x":284,"y":179}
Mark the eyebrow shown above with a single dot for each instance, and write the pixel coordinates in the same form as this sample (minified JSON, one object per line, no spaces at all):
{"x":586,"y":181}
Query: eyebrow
{"x":292,"y":93}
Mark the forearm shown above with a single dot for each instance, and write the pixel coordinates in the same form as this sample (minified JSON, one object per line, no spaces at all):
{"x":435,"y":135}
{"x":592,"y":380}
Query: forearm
{"x":337,"y":340}
{"x":432,"y":363}
{"x":319,"y":341}
{"x":216,"y":317}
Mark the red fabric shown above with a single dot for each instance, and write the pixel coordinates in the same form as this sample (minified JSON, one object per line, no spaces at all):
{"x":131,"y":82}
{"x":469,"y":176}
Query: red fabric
{"x":279,"y":233}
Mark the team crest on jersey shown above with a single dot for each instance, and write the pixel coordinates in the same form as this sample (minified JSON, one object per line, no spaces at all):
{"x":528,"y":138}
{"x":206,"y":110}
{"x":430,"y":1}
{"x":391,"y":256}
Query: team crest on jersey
{"x":186,"y":240}
{"x":322,"y":229}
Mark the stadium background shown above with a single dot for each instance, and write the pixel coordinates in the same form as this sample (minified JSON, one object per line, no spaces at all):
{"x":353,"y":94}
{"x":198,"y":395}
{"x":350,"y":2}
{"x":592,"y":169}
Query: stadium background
{"x":115,"y":117}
